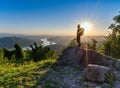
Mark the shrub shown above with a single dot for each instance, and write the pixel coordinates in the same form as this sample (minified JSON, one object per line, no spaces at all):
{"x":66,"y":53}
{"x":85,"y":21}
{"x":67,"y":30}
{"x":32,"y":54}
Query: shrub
{"x":7,"y":53}
{"x":39,"y":52}
{"x":18,"y":51}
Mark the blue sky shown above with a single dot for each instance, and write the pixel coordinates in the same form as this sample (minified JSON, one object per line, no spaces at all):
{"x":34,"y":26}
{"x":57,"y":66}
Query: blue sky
{"x":56,"y":16}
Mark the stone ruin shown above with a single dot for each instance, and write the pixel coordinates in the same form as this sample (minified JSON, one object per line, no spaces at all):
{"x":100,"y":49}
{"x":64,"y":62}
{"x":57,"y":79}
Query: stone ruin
{"x":99,"y":66}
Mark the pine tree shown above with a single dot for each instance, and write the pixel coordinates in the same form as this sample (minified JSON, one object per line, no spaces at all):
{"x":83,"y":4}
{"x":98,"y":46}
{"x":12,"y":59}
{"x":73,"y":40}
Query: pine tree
{"x":18,"y":51}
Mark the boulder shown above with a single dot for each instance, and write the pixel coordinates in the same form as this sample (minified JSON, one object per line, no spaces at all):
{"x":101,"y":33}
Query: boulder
{"x":116,"y":74}
{"x":73,"y":56}
{"x":98,"y":87}
{"x":76,"y":56}
{"x":117,"y":64}
{"x":106,"y":85}
{"x":97,"y":73}
{"x":116,"y":84}
{"x":90,"y":84}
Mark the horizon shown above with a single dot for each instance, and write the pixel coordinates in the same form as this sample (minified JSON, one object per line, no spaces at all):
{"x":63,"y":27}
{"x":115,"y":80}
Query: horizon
{"x":16,"y":35}
{"x":56,"y":17}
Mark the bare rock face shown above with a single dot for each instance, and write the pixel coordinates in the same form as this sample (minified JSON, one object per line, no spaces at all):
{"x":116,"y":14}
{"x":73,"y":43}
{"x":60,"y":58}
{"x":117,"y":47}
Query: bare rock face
{"x":97,"y":73}
{"x":117,"y":64}
{"x":73,"y":56}
{"x":76,"y":56}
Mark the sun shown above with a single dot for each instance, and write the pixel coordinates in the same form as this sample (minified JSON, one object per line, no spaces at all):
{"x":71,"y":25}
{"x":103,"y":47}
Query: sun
{"x":87,"y":26}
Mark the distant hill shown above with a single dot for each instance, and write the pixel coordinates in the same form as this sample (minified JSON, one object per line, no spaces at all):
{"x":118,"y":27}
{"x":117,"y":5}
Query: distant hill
{"x":61,"y":41}
{"x":57,"y":48}
{"x":8,"y":42}
{"x":2,"y":35}
{"x":64,"y":40}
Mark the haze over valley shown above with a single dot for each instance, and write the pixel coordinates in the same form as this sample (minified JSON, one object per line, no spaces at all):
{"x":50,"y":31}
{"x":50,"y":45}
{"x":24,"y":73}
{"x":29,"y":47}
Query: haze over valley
{"x":56,"y":43}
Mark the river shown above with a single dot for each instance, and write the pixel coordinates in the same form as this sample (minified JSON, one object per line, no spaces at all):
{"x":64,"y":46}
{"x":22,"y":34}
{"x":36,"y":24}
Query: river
{"x":45,"y":42}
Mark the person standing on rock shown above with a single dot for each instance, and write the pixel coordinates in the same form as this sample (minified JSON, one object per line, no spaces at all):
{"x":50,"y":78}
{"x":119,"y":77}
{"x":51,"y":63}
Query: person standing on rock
{"x":80,"y":32}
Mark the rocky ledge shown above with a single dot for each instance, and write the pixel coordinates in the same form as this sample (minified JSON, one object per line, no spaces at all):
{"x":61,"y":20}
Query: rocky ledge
{"x":71,"y":71}
{"x":74,"y":77}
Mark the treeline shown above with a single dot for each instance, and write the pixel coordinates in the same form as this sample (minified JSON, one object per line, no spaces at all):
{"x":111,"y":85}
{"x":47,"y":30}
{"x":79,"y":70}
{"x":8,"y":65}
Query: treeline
{"x":111,"y":46}
{"x":36,"y":53}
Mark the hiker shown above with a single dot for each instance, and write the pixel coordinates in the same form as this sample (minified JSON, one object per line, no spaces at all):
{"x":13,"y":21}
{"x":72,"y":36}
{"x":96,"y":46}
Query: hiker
{"x":80,"y":32}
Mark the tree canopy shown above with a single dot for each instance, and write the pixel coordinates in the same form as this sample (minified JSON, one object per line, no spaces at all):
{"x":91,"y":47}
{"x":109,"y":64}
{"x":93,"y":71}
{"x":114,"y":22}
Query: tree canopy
{"x":112,"y":43}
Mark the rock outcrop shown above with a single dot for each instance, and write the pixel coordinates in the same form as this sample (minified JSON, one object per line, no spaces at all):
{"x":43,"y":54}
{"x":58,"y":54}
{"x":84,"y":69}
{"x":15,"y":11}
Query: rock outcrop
{"x":76,"y":56}
{"x":101,"y":72}
{"x":98,"y":73}
{"x":117,"y":64}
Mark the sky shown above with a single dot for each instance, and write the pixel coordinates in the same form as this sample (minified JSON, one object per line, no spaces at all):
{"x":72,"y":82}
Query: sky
{"x":56,"y":17}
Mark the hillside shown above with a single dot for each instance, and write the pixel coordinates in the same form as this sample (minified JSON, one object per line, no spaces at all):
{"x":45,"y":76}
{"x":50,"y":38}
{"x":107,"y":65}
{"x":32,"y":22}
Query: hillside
{"x":61,"y":41}
{"x":8,"y":42}
{"x":57,"y":48}
{"x":64,"y":40}
{"x":2,"y":35}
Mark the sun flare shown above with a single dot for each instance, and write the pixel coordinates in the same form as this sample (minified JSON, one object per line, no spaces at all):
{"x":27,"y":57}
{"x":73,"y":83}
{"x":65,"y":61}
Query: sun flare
{"x":86,"y":25}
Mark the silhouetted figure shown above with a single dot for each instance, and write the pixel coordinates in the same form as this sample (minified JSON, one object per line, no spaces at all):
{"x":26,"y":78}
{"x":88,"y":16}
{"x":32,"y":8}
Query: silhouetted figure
{"x":80,"y":32}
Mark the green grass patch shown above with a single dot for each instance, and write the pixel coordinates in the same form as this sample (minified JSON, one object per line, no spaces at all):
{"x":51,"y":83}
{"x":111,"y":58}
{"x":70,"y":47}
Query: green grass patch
{"x":22,"y":75}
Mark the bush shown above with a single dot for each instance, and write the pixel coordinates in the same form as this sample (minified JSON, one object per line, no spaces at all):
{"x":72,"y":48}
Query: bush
{"x":39,"y":52}
{"x":18,"y":51}
{"x":7,"y":53}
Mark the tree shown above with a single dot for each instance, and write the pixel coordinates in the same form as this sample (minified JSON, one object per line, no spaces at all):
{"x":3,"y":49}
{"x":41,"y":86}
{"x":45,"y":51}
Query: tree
{"x":7,"y":54}
{"x":94,"y":44}
{"x":73,"y":42}
{"x":39,"y":52}
{"x":112,"y":43}
{"x":107,"y":47}
{"x":36,"y":52}
{"x":115,"y":27}
{"x":18,"y":51}
{"x":88,"y":45}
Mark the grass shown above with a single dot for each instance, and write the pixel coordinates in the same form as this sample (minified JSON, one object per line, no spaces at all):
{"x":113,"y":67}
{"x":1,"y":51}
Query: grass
{"x":22,"y":75}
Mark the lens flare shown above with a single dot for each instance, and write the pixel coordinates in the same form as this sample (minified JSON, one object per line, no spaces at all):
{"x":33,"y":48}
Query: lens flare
{"x":86,"y":25}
